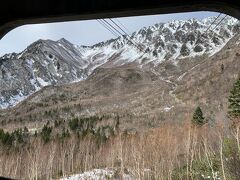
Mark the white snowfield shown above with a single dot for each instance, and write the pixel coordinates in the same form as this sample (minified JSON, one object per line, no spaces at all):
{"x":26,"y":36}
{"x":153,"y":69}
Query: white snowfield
{"x":96,"y":174}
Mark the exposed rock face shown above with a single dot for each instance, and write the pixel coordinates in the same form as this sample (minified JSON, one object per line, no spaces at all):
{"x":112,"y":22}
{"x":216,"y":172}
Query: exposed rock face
{"x":198,"y":48}
{"x":47,"y":62}
{"x":184,"y":50}
{"x":42,"y":63}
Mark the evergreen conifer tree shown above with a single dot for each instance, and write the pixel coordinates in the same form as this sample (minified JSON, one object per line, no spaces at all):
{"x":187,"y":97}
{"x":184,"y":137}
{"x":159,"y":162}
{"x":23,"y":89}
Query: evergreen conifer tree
{"x":234,"y":101}
{"x":198,"y":116}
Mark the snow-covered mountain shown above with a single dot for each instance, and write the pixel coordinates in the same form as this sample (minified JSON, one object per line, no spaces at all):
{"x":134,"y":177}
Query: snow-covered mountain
{"x":163,"y":41}
{"x":48,"y":62}
{"x":43,"y":63}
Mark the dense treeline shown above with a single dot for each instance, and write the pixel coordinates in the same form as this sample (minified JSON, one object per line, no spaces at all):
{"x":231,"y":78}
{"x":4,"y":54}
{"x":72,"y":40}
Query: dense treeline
{"x":60,"y":129}
{"x":17,"y":136}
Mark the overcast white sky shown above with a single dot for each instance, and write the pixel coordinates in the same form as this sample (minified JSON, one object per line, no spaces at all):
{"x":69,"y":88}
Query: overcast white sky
{"x":83,"y":32}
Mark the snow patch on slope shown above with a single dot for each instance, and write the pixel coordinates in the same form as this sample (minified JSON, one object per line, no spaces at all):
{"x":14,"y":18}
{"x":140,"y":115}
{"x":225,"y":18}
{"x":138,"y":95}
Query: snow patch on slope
{"x":96,"y":174}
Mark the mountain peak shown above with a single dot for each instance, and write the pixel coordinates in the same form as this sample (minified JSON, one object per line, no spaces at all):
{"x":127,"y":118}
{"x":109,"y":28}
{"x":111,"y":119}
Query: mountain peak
{"x":39,"y":42}
{"x":64,"y":41}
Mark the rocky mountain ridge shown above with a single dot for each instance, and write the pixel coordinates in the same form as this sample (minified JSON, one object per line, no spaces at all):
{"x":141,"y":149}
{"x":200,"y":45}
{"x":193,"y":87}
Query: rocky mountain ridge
{"x":47,"y":62}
